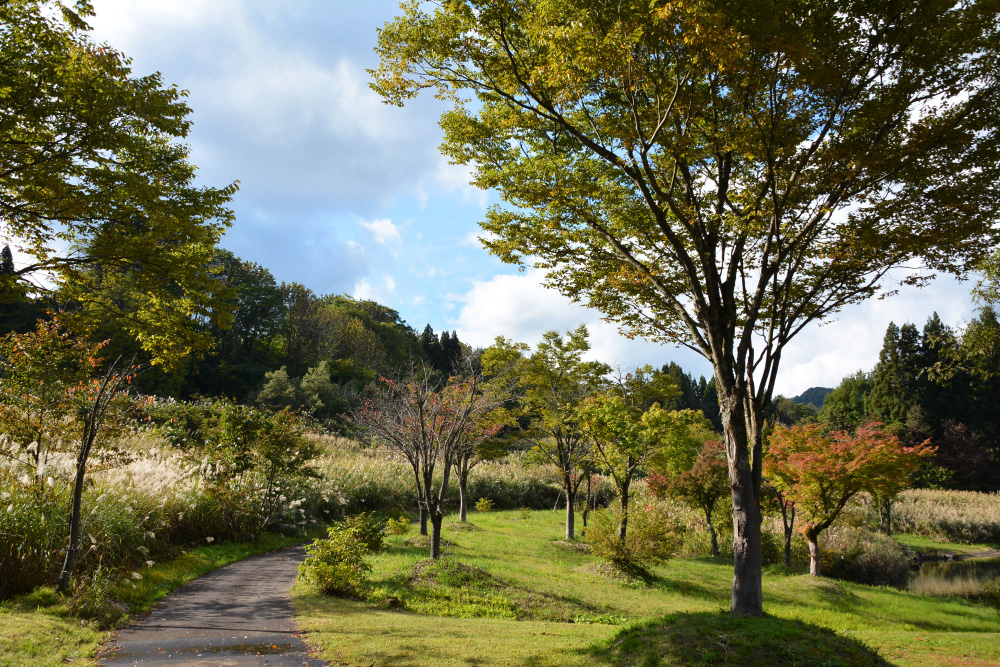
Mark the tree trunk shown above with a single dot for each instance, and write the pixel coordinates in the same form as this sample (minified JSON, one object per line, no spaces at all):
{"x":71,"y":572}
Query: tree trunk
{"x":813,"y":555}
{"x":885,"y":516}
{"x":570,"y":516}
{"x":74,"y":523}
{"x":586,"y":502}
{"x":436,"y":519}
{"x":747,"y":595}
{"x":788,"y":525}
{"x":711,"y":531}
{"x":463,"y":502}
{"x":423,"y":517}
{"x":623,"y":524}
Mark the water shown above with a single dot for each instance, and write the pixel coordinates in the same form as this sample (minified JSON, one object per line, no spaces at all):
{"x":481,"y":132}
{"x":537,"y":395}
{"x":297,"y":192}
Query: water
{"x":954,"y":577}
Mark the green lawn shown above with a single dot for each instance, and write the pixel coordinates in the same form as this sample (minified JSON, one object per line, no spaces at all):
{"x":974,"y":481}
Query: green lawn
{"x":40,"y":630}
{"x":926,"y":544}
{"x":523,"y":585}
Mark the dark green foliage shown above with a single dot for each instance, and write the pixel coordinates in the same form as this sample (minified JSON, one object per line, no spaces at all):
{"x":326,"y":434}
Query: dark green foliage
{"x":934,"y":384}
{"x":814,"y":396}
{"x":845,"y":406}
{"x":787,"y":411}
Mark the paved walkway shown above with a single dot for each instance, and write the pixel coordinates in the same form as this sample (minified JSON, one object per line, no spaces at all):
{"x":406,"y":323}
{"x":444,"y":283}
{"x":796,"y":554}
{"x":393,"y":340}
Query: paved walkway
{"x":237,"y":615}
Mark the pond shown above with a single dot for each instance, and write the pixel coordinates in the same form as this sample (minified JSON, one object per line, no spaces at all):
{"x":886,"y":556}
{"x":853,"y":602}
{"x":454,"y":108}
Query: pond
{"x":954,"y":577}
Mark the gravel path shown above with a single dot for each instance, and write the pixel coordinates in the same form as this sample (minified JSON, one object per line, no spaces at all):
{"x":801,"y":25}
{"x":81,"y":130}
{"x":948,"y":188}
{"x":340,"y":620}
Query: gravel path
{"x":237,"y":615}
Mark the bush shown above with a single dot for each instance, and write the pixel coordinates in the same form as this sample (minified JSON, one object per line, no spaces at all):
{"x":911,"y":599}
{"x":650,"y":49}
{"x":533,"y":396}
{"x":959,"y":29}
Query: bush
{"x":484,"y":505}
{"x":337,"y":564}
{"x":400,"y":526}
{"x":652,"y":536}
{"x":363,"y":528}
{"x":859,"y":555}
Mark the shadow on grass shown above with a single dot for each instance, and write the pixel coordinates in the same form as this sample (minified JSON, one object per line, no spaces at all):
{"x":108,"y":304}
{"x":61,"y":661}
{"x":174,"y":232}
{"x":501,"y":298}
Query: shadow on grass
{"x":720,"y":638}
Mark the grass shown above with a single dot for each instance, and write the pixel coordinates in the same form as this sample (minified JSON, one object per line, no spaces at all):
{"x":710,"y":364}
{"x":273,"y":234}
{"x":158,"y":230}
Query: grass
{"x":41,"y":629}
{"x":507,"y":592}
{"x":925,"y":544}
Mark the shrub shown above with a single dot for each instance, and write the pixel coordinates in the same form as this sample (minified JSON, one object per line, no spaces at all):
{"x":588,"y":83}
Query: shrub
{"x":652,"y":536}
{"x":484,"y":505}
{"x":859,"y":555}
{"x":363,"y":528}
{"x":400,"y":526}
{"x":336,"y":565}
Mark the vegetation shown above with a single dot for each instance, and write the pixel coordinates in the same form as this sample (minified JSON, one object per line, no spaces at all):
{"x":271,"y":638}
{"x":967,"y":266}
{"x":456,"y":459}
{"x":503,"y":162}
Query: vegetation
{"x":516,"y":568}
{"x":821,"y":472}
{"x":717,"y":178}
{"x":43,"y":628}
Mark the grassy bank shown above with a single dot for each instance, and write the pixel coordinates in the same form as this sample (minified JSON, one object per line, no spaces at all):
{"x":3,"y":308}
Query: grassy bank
{"x":511,"y":600}
{"x":43,"y":628}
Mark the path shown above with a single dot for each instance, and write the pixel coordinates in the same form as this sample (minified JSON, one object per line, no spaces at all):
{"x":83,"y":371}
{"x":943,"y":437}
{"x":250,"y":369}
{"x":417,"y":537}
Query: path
{"x":237,"y":615}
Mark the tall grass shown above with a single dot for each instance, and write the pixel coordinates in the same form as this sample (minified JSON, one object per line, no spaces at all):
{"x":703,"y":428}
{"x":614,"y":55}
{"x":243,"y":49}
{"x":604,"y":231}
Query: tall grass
{"x":958,"y":516}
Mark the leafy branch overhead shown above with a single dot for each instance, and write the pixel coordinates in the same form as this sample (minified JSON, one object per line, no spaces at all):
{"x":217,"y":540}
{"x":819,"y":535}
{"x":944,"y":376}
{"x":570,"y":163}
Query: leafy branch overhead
{"x":93,"y":174}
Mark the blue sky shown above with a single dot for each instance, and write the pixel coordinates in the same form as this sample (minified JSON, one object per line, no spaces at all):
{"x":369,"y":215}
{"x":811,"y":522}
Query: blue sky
{"x":347,"y":195}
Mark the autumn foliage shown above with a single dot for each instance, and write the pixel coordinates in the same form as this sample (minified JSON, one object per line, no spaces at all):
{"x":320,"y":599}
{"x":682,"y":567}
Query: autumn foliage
{"x":820,"y":471}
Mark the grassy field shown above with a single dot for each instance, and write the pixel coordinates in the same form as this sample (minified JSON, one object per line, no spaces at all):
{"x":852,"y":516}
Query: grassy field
{"x":39,"y":629}
{"x":508,"y":589}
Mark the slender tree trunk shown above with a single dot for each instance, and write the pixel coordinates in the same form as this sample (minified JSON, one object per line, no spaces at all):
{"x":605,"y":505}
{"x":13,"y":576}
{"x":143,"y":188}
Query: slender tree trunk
{"x":885,"y":516}
{"x":623,"y":504}
{"x":463,"y":496}
{"x":436,"y":519}
{"x":570,"y":516}
{"x":423,"y":519}
{"x":74,"y":521}
{"x":711,"y":531}
{"x":813,"y":554}
{"x":586,"y":502}
{"x":788,"y":524}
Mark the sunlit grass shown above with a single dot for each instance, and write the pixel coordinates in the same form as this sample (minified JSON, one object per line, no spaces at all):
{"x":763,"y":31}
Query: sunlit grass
{"x":526,"y":555}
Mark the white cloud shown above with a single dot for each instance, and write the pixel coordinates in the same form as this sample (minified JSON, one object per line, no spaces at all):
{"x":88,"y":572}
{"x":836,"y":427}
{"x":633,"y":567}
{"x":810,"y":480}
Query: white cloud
{"x":382,"y":293}
{"x":520,"y":308}
{"x":383,"y":230}
{"x":824,"y":354}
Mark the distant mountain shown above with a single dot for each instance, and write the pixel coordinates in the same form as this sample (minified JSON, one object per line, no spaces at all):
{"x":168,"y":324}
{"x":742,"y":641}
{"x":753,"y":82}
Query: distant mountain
{"x":813,"y":396}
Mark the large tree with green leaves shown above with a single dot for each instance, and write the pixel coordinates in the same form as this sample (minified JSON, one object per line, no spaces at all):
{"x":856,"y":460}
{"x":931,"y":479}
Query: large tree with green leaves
{"x":718,"y":173}
{"x":93,"y":175}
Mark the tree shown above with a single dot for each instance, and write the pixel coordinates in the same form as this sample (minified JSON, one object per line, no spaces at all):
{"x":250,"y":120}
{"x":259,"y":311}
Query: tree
{"x":98,"y":417}
{"x":93,"y":176}
{"x":254,"y":454}
{"x":718,"y":174}
{"x":705,"y":484}
{"x":820,"y":472}
{"x":554,"y":381}
{"x":626,"y":438}
{"x":845,"y":407}
{"x":40,"y":372}
{"x":479,"y":444}
{"x":428,"y":427}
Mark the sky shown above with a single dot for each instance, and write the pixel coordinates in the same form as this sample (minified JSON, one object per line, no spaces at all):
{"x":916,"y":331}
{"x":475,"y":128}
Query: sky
{"x":347,"y":195}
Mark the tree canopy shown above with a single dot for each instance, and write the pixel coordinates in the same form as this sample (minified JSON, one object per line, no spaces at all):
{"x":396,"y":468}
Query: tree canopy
{"x":718,"y":174}
{"x":93,"y":175}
